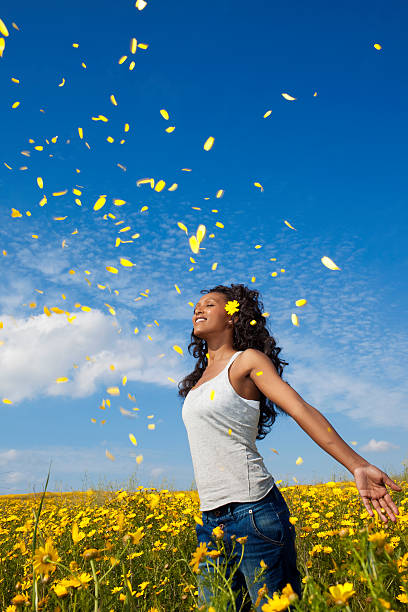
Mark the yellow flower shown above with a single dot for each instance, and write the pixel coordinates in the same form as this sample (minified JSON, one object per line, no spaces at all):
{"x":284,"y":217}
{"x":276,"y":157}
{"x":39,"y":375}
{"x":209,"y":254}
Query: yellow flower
{"x":92,"y":553}
{"x":384,"y":603}
{"x":378,"y":538}
{"x":19,"y":600}
{"x":60,"y":590}
{"x":242,"y":540}
{"x":341,"y":592}
{"x":45,"y":558}
{"x":218,"y":532}
{"x":232,"y":306}
{"x":198,"y":555}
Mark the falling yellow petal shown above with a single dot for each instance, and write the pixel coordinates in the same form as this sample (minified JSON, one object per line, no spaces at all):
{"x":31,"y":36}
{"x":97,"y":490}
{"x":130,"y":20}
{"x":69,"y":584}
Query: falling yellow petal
{"x":60,"y":193}
{"x":133,"y":45}
{"x":178,"y":349}
{"x":140,"y":4}
{"x":132,"y":65}
{"x":182,"y":227}
{"x":170,"y":129}
{"x":43,"y":201}
{"x":212,"y":394}
{"x":62,"y":379}
{"x":299,"y":461}
{"x":122,"y":59}
{"x":15,"y":213}
{"x":139,"y":459}
{"x":194,"y":244}
{"x":259,"y":185}
{"x":113,"y":100}
{"x":208,"y":143}
{"x":219,"y":193}
{"x":124,"y":380}
{"x":275,"y":451}
{"x":100,"y":202}
{"x":80,"y":132}
{"x":126,"y":263}
{"x":3,"y":28}
{"x":132,"y":439}
{"x":15,"y":105}
{"x":113,"y":390}
{"x":112,"y":269}
{"x":160,"y":185}
{"x":301,"y":302}
{"x":200,"y":233}
{"x":164,"y":113}
{"x":2,"y":46}
{"x":288,"y":97}
{"x":267,"y":114}
{"x":289,"y":225}
{"x":219,"y":224}
{"x":109,"y":455}
{"x":295,"y":319}
{"x":7,"y":401}
{"x":329,"y":263}
{"x":151,"y":426}
{"x":62,"y":82}
{"x":378,"y":46}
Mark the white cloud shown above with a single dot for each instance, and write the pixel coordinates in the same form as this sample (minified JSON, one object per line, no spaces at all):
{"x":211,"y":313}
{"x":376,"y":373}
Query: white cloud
{"x":380,"y":446}
{"x":40,"y":349}
{"x":7,"y":456}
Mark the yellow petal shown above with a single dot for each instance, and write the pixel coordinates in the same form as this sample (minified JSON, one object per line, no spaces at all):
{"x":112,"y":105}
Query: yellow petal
{"x":15,"y":213}
{"x":132,"y":439}
{"x":139,"y":459}
{"x":109,"y":455}
{"x":62,"y":83}
{"x":7,"y":401}
{"x":208,"y":143}
{"x":295,"y":319}
{"x":113,"y":390}
{"x":132,"y":65}
{"x":289,"y":225}
{"x":133,"y":45}
{"x":170,"y":129}
{"x":182,"y":227}
{"x":112,"y":269}
{"x":194,"y":245}
{"x":378,"y":46}
{"x":200,"y":233}
{"x":60,"y":193}
{"x":126,"y":263}
{"x":124,"y":380}
{"x":288,"y":97}
{"x":178,"y":349}
{"x":160,"y":185}
{"x":140,"y":4}
{"x":220,"y":193}
{"x":3,"y":28}
{"x":43,"y":201}
{"x":122,"y":59}
{"x":62,"y":379}
{"x":301,"y":302}
{"x":267,"y":114}
{"x":164,"y":113}
{"x":81,"y":132}
{"x":259,"y":185}
{"x":40,"y":182}
{"x":2,"y":46}
{"x":119,"y":202}
{"x":100,"y":202}
{"x":113,"y":100}
{"x":326,"y":261}
{"x":299,"y":461}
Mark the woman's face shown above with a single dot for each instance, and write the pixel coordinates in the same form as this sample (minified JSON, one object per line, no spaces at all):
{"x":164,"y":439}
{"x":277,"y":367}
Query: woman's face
{"x":211,"y":308}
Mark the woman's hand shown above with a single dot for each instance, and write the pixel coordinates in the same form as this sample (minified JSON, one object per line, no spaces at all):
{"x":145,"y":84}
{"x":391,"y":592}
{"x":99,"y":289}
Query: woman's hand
{"x":370,"y":482}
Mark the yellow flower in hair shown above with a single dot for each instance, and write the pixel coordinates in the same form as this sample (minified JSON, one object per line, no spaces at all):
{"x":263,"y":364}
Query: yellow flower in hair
{"x":232,"y":306}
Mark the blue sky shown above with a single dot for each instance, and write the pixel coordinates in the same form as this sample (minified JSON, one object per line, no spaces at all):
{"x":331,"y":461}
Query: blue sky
{"x":333,"y":165}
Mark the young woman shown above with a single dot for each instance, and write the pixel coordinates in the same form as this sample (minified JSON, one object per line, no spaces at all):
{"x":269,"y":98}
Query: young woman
{"x":230,"y":400}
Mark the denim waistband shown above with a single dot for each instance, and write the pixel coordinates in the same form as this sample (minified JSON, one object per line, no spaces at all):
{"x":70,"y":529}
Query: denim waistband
{"x":227,"y":510}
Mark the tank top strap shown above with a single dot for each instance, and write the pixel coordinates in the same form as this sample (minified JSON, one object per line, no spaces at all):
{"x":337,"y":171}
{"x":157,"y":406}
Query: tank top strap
{"x":233,"y":357}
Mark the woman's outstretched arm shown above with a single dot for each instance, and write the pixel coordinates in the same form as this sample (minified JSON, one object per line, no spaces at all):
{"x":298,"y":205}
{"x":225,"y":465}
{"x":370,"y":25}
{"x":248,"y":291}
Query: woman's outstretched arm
{"x":370,"y":480}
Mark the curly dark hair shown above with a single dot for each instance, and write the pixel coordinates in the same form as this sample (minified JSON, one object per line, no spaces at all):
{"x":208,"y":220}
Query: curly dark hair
{"x":244,"y":336}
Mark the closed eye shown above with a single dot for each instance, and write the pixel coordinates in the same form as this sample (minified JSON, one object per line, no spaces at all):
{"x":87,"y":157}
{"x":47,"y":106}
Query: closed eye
{"x":207,"y":305}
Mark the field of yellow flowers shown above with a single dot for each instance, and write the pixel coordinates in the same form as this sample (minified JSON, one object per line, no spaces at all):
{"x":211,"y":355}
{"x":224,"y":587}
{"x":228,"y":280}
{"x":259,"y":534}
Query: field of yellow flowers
{"x":108,"y":551}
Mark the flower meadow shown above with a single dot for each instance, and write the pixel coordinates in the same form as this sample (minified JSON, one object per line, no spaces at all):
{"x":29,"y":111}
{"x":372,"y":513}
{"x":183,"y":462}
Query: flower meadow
{"x":137,"y":550}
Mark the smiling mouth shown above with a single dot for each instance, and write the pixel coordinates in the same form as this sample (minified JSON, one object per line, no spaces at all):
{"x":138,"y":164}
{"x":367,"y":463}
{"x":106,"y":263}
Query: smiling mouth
{"x":200,"y":321}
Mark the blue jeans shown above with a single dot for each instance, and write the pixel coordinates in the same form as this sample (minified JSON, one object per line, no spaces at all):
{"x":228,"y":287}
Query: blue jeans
{"x":271,"y":537}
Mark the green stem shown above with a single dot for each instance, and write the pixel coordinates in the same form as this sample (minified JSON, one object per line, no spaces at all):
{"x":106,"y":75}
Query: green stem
{"x":34,"y":593}
{"x":95,"y":577}
{"x":110,"y":569}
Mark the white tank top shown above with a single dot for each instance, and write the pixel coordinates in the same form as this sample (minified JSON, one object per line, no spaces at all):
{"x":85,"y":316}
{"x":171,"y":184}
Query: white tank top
{"x":227,"y":467}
